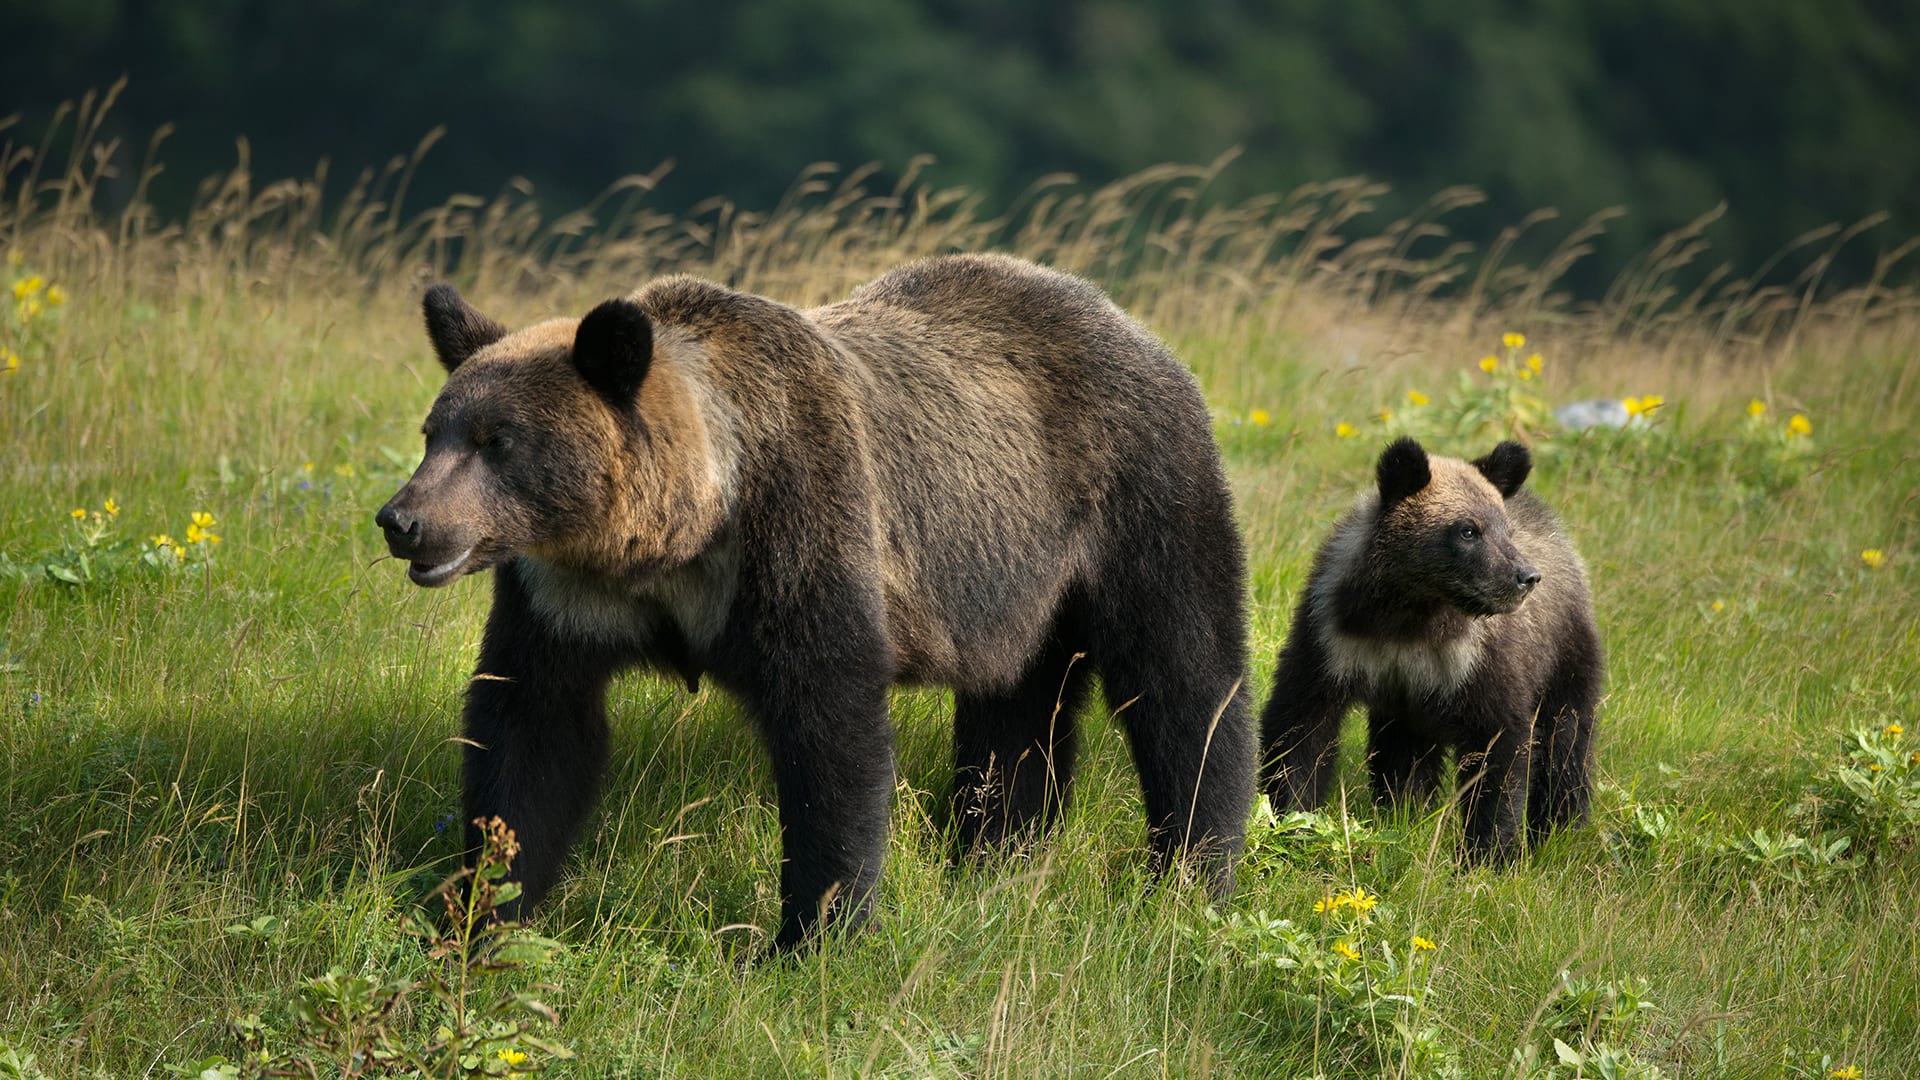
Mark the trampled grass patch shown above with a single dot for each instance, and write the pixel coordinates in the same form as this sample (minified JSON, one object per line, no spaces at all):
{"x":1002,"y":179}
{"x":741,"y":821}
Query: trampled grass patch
{"x":231,"y":779}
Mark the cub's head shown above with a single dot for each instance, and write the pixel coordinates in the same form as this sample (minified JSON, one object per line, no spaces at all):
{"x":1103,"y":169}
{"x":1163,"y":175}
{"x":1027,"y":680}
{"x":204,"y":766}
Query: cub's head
{"x":536,"y":443}
{"x":1443,"y":535}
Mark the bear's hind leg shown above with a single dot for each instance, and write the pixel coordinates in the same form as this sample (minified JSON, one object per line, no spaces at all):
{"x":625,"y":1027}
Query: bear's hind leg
{"x":1013,"y":752}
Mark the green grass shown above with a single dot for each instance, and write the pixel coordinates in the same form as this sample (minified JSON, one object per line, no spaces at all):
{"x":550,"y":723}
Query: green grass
{"x":270,"y":732}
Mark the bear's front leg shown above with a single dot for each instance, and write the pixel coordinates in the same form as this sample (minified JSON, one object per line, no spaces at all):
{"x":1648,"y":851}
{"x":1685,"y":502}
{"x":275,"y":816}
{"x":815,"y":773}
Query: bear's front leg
{"x":536,"y":726}
{"x":1493,"y":777}
{"x":832,"y":747}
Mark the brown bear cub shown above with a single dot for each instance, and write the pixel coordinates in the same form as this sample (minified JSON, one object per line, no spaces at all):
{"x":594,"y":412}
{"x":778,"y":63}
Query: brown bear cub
{"x":1451,"y":603}
{"x":972,"y":473}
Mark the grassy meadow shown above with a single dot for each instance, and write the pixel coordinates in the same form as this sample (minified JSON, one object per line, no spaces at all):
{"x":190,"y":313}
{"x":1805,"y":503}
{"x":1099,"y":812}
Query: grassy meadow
{"x":230,"y":767}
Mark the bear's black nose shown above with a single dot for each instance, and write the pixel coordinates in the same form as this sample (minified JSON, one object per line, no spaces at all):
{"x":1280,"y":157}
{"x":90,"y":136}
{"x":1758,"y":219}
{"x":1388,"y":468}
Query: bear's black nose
{"x":402,"y":529}
{"x":1526,"y":578}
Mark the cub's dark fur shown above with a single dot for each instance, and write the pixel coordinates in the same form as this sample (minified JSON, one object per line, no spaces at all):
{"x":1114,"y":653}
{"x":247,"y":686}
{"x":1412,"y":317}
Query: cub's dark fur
{"x":965,"y":474}
{"x":1452,"y":604}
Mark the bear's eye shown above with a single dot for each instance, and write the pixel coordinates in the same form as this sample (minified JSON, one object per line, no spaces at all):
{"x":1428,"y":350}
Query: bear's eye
{"x":1466,"y":531}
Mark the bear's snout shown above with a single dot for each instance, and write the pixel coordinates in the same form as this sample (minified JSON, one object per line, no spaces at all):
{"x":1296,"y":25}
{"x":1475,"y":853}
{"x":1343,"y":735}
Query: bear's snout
{"x":1525,"y":578}
{"x":401,"y":527}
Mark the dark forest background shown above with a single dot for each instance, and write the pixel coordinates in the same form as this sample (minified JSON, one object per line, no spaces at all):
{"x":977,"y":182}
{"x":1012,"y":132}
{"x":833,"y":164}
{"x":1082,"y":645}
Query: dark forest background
{"x":1796,"y":113}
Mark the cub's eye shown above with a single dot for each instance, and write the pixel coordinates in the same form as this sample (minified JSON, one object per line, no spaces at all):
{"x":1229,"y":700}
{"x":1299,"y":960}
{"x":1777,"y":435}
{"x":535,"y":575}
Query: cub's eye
{"x":1467,"y":532}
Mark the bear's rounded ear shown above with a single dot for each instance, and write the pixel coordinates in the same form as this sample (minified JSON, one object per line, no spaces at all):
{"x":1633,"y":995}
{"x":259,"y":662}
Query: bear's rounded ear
{"x":455,"y":328}
{"x":1402,"y":471}
{"x":1506,"y":467}
{"x":613,"y":349}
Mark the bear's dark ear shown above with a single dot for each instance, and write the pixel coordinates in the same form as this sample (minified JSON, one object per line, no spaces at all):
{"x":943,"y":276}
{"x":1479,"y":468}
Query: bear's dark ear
{"x":1402,"y":471}
{"x":455,"y":328}
{"x":613,"y":349}
{"x":1506,"y":467}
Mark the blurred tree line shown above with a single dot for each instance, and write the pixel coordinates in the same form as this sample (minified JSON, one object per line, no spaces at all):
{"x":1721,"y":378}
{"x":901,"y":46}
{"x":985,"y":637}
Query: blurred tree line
{"x":1793,"y":112}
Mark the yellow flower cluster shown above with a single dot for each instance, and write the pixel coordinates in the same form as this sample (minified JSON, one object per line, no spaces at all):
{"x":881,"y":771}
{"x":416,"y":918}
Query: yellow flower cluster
{"x":1874,"y":558}
{"x":1851,"y":1072}
{"x":32,"y":296}
{"x":1641,"y":406}
{"x":1359,"y":900}
{"x":201,"y":529}
{"x":1346,"y":949}
{"x":1799,"y":425}
{"x":1421,"y":944}
{"x":9,"y":361}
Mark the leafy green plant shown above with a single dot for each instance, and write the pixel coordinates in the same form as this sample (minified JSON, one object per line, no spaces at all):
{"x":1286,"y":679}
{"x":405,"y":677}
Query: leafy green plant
{"x":350,"y":1025}
{"x":1347,"y":974}
{"x":1871,"y":797}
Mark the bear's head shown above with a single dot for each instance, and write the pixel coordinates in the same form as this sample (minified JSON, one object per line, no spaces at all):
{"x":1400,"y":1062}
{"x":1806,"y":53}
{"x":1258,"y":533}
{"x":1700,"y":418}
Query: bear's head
{"x":561,"y":440}
{"x":1443,"y":536}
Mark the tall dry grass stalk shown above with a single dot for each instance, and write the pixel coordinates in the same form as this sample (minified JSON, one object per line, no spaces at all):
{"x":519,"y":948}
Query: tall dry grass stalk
{"x":1312,"y":266}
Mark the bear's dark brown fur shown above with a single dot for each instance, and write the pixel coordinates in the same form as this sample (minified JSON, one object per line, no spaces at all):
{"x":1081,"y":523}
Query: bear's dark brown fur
{"x":1451,"y":604}
{"x":964,"y":475}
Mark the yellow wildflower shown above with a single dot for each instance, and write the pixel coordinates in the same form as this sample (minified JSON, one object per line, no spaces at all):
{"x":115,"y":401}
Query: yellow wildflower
{"x":1875,"y":767}
{"x":1359,"y":900}
{"x":1385,"y":414}
{"x":161,"y":540}
{"x":1534,"y":363}
{"x":1415,"y":397}
{"x":112,"y":508}
{"x":1488,"y":363}
{"x":1874,"y":558}
{"x":1325,"y":904}
{"x":1633,"y":406}
{"x":77,"y":514}
{"x":1799,"y":425}
{"x":27,"y":286}
{"x":511,"y":1056}
{"x":1756,"y":407}
{"x":1260,"y":417}
{"x":9,"y":360}
{"x":1718,"y":606}
{"x":1346,"y":950}
{"x":1652,"y":402}
{"x":203,"y":519}
{"x":194,"y":533}
{"x":1345,"y":430}
{"x":344,"y":469}
{"x":31,"y":309}
{"x":1851,"y":1072}
{"x":1524,"y":374}
{"x":1422,"y":944}
{"x":56,"y":295}
{"x":1895,"y":729}
{"x":1512,"y":340}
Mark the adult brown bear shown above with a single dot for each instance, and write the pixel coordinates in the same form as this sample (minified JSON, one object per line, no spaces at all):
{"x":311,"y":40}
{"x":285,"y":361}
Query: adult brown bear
{"x":964,"y":475}
{"x":1451,"y":603}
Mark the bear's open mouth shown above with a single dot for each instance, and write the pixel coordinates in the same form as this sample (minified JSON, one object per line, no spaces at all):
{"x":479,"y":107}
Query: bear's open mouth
{"x":438,"y":575}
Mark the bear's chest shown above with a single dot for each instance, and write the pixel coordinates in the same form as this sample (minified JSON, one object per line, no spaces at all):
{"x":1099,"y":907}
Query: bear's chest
{"x":1415,"y":669}
{"x":684,"y":609}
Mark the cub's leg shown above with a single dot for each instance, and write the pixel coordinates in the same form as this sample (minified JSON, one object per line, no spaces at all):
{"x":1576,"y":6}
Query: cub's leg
{"x":1493,"y":773}
{"x":1404,"y":761}
{"x":1300,"y":729}
{"x":1563,"y":743}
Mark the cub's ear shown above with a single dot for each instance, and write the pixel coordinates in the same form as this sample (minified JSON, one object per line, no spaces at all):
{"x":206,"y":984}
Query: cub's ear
{"x":1506,"y":467}
{"x":455,"y":328}
{"x":1402,"y":471}
{"x":613,"y":350}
